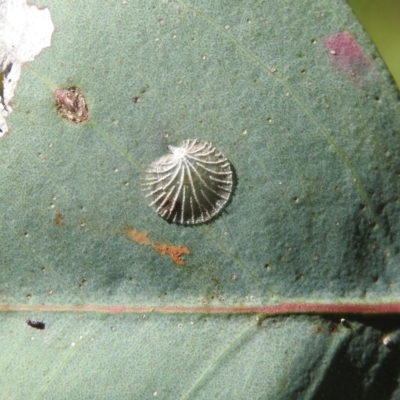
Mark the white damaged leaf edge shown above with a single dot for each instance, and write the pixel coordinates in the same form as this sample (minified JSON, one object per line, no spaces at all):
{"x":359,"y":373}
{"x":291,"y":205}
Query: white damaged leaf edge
{"x":24,"y":31}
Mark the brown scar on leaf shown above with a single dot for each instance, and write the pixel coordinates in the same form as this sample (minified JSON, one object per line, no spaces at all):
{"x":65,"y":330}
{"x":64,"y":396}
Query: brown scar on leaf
{"x":175,"y":252}
{"x":71,"y":104}
{"x":59,"y":220}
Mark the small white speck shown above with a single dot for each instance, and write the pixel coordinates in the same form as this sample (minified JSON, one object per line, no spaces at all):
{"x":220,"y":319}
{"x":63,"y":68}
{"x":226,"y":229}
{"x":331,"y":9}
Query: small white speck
{"x":233,"y":277}
{"x":144,"y":316}
{"x":123,"y":1}
{"x":155,"y":393}
{"x":116,"y":169}
{"x":173,"y":36}
{"x":386,"y":340}
{"x":52,"y":205}
{"x":273,"y":70}
{"x":249,"y":21}
{"x":50,"y":144}
{"x":252,"y":298}
{"x":226,"y":233}
{"x":180,"y":326}
{"x":333,"y":52}
{"x":244,"y":131}
{"x":203,"y":57}
{"x":73,"y":344}
{"x":191,"y":323}
{"x":126,"y":183}
{"x":49,"y":291}
{"x":157,"y":39}
{"x":32,"y":338}
{"x":161,"y":21}
{"x":287,"y":94}
{"x":226,"y":26}
{"x":80,"y":337}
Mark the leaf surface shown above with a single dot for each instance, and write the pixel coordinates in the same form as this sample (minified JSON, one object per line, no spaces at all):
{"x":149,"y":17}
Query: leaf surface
{"x":296,"y":97}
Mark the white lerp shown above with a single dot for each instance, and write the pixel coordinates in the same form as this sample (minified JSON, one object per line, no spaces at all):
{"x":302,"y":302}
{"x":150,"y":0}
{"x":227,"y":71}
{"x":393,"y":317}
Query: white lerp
{"x":191,"y":185}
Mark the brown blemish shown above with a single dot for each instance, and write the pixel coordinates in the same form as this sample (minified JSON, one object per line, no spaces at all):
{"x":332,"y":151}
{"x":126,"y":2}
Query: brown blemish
{"x":71,"y":104}
{"x":332,"y":328}
{"x":347,"y":55}
{"x":135,"y":99}
{"x":81,"y":285}
{"x":175,"y":252}
{"x":59,"y":220}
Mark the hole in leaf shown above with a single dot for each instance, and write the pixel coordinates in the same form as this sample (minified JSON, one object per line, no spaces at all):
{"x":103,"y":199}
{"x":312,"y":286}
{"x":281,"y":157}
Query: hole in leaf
{"x":3,"y":78}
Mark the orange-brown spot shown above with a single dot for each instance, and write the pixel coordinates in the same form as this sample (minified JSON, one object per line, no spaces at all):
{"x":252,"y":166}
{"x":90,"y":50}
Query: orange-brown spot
{"x":59,"y":220}
{"x":138,"y":237}
{"x":175,"y":252}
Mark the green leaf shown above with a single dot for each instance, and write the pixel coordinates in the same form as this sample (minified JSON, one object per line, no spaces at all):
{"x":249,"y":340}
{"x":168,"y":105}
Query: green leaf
{"x":296,"y":97}
{"x":190,"y":357}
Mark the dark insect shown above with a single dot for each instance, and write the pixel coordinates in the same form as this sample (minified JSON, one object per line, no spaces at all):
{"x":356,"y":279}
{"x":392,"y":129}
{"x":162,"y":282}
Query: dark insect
{"x":170,"y":205}
{"x":36,"y":324}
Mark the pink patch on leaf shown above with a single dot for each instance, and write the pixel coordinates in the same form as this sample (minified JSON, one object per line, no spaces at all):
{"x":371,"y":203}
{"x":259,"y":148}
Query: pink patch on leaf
{"x":347,"y":55}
